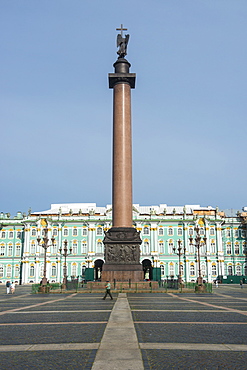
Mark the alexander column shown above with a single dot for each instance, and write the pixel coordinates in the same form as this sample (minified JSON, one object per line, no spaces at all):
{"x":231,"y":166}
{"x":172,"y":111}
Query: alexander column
{"x":122,"y":241}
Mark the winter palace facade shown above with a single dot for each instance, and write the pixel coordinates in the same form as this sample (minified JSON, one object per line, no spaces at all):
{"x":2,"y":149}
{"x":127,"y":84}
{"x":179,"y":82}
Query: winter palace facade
{"x":163,"y":229}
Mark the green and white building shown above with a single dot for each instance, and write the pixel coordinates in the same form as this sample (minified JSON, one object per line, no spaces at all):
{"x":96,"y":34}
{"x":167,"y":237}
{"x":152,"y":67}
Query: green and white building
{"x":162,"y":229}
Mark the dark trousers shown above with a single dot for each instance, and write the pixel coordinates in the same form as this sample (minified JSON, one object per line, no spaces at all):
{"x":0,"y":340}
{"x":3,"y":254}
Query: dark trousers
{"x":108,"y":291}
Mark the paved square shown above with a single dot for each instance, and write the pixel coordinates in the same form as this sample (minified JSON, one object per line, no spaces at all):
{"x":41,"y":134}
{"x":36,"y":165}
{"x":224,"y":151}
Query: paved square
{"x":134,"y":331}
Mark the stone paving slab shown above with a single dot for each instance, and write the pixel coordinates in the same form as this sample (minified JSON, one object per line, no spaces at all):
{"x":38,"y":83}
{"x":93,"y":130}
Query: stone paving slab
{"x":119,"y":348}
{"x":195,"y":346}
{"x":54,"y":317}
{"x":48,"y":347}
{"x":193,"y":360}
{"x":66,"y":333}
{"x":188,"y":316}
{"x":48,"y":360}
{"x":191,"y":333}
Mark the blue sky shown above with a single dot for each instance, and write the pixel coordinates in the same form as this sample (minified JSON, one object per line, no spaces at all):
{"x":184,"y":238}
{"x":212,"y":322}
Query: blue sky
{"x":188,"y":109}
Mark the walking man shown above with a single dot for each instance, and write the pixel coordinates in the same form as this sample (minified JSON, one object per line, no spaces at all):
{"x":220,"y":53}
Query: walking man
{"x":108,"y":290}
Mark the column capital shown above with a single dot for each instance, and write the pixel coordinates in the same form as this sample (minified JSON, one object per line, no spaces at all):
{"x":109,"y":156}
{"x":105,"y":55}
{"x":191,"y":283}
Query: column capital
{"x":116,"y":78}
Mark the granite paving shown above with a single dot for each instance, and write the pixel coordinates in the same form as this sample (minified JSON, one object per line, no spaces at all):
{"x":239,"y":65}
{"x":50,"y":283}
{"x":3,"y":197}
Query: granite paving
{"x":173,"y":330}
{"x":48,"y":360}
{"x":193,"y":360}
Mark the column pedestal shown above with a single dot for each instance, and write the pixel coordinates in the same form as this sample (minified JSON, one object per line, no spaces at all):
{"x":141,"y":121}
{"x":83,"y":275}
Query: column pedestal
{"x":122,"y":255}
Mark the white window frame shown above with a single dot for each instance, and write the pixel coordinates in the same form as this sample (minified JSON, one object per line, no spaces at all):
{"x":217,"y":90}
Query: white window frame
{"x":2,"y":250}
{"x":8,"y":272}
{"x":10,"y":250}
{"x":18,"y":249}
{"x":99,"y":231}
{"x":83,"y":247}
{"x":161,"y":231}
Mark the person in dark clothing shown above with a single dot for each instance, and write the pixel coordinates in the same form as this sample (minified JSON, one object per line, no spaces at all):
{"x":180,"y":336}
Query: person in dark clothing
{"x":107,"y":290}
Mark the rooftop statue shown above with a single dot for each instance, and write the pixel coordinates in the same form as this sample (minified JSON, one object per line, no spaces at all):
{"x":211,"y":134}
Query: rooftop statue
{"x":122,"y":42}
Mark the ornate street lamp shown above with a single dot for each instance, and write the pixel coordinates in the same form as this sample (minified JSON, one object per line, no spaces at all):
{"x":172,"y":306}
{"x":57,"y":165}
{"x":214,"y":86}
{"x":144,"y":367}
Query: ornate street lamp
{"x":198,"y":240}
{"x":65,"y":254}
{"x":179,"y":252}
{"x":45,"y":244}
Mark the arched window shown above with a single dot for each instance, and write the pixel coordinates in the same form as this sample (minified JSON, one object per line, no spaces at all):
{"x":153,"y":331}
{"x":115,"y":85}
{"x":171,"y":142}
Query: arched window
{"x":180,"y":231}
{"x":171,"y":269}
{"x":212,"y":246}
{"x":211,"y":231}
{"x":162,"y":270}
{"x":18,"y":235}
{"x":228,"y":233}
{"x":17,"y":271}
{"x":192,"y":269}
{"x":10,"y":250}
{"x":145,"y":247}
{"x":161,"y":231}
{"x":238,"y":270}
{"x":181,"y":269}
{"x":74,"y":232}
{"x":32,"y":247}
{"x":170,"y":246}
{"x":84,"y":247}
{"x":99,"y":246}
{"x":74,"y":247}
{"x":11,"y":234}
{"x":1,"y":271}
{"x":236,"y":248}
{"x":190,"y":231}
{"x":146,"y":230}
{"x":84,"y":231}
{"x":228,"y":249}
{"x":99,"y":230}
{"x":2,"y":249}
{"x":42,"y":270}
{"x":229,"y":269}
{"x":65,"y":232}
{"x":54,"y":270}
{"x":3,"y":235}
{"x":74,"y":269}
{"x":54,"y":232}
{"x":54,"y":248}
{"x":9,"y":271}
{"x":31,"y":271}
{"x":161,"y":246}
{"x":18,"y":250}
{"x":33,"y":233}
{"x":191,"y":246}
{"x":170,"y":231}
{"x":203,"y":248}
{"x":214,"y":270}
{"x":203,"y":270}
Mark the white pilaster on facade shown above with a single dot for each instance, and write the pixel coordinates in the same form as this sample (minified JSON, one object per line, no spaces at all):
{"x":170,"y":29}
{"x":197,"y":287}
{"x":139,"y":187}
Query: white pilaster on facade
{"x":153,"y":238}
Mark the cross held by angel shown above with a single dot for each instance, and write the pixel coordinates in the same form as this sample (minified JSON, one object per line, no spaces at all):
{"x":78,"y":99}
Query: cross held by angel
{"x":122,"y":42}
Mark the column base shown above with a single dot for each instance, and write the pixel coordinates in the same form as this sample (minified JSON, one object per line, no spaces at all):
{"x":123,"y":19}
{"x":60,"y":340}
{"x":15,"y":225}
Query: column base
{"x":122,"y":273}
{"x":122,"y":255}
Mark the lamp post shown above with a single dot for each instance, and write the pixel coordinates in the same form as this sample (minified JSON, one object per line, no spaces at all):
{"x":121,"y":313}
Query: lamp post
{"x":65,"y":254}
{"x":179,"y":252}
{"x":45,"y":244}
{"x":198,"y":240}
